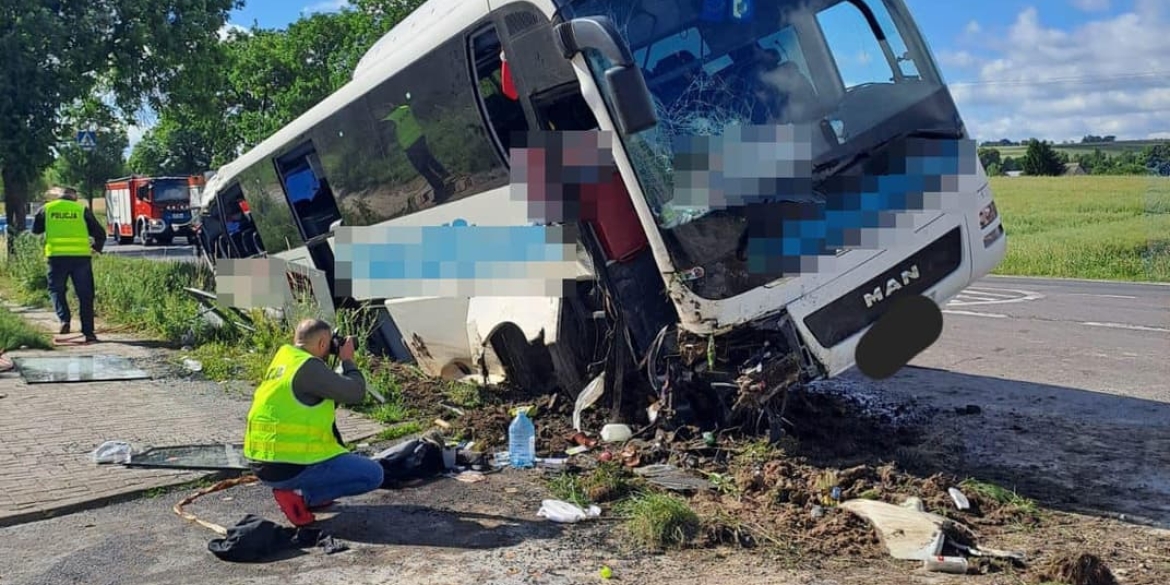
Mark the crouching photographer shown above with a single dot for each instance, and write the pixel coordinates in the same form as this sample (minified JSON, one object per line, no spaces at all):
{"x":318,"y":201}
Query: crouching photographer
{"x":291,"y":439}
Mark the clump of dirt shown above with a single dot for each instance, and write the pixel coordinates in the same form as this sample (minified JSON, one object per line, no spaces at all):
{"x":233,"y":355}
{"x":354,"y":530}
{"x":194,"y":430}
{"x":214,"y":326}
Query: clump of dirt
{"x":1076,"y":569}
{"x":486,"y":421}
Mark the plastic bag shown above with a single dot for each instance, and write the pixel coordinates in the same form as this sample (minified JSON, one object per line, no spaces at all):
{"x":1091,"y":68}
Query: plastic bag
{"x":559,"y":511}
{"x":112,"y":452}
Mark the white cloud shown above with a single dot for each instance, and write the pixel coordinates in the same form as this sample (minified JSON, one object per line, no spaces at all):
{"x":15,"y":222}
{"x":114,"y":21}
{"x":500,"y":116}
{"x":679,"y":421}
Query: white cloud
{"x":229,"y":28}
{"x":973,"y":27}
{"x":326,"y":6}
{"x":1108,"y":76}
{"x":1092,"y":5}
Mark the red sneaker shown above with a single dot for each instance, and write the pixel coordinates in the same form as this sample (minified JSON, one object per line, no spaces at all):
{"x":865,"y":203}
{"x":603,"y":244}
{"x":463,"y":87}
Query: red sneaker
{"x":294,"y":507}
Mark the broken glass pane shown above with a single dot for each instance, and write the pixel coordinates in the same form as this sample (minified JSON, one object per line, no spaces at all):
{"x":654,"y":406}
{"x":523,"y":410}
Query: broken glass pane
{"x":212,"y":457}
{"x":79,"y":368}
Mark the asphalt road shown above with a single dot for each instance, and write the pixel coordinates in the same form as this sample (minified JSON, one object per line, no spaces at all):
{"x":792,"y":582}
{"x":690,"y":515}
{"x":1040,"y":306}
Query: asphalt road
{"x":1101,"y":336}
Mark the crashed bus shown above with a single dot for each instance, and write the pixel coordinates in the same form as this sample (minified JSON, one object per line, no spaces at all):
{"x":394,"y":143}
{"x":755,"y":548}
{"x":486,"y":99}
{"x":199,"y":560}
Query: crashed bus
{"x":677,"y":281}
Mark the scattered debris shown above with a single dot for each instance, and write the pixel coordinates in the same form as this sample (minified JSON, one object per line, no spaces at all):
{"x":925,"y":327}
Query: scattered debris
{"x":1078,"y":569}
{"x":961,"y":501}
{"x":907,"y":534}
{"x":564,"y":512}
{"x":211,"y":457}
{"x":80,"y":368}
{"x":192,"y":365}
{"x":672,"y":478}
{"x":588,"y":397}
{"x":969,"y":410}
{"x":112,"y":452}
{"x":941,"y":564}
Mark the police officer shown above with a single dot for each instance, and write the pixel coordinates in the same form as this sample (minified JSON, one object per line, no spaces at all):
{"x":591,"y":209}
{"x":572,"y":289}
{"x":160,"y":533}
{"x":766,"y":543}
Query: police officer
{"x":68,"y":227}
{"x":291,"y":440}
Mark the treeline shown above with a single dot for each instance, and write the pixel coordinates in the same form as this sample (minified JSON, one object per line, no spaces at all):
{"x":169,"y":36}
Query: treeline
{"x":259,"y":81}
{"x":1042,"y":159}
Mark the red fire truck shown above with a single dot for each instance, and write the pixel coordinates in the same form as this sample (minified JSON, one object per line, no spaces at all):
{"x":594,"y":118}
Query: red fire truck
{"x":151,"y":209}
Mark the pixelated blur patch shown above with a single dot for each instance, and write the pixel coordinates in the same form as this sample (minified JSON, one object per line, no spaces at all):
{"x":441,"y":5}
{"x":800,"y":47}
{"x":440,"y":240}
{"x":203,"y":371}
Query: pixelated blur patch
{"x":909,"y":327}
{"x":799,"y":216}
{"x":456,"y":260}
{"x":553,"y":171}
{"x":252,"y":283}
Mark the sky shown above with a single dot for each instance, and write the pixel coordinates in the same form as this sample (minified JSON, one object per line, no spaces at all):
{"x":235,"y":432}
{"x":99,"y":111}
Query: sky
{"x":1051,"y":69}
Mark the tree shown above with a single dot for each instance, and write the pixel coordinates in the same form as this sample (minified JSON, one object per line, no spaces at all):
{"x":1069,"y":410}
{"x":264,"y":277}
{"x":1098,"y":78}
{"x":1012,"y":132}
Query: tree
{"x":266,"y":79}
{"x":88,"y":170}
{"x":57,"y":52}
{"x":989,"y":156}
{"x":1041,"y":159}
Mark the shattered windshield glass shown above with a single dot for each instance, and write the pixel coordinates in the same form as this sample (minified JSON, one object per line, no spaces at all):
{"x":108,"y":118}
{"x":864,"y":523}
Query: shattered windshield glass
{"x":757,"y":102}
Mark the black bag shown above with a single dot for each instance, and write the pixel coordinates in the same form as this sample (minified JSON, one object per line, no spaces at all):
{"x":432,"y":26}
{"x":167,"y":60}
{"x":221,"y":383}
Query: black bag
{"x":410,"y":460}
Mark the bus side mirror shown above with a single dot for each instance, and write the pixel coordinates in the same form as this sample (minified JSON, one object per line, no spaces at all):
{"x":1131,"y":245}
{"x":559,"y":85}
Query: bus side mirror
{"x":631,"y":98}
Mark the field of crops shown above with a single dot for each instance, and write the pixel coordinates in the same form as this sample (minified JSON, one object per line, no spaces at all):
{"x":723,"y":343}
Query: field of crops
{"x":1096,"y":227}
{"x":1109,"y":148}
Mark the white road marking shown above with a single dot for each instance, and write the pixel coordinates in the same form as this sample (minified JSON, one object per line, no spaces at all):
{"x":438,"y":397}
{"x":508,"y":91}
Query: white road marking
{"x":1102,"y":296}
{"x":992,"y":296}
{"x":975,"y":314}
{"x":1126,"y":326}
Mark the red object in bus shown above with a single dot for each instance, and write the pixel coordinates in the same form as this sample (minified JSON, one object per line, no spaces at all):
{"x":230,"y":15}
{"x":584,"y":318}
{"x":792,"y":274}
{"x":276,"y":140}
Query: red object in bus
{"x":506,"y":78}
{"x":607,"y":207}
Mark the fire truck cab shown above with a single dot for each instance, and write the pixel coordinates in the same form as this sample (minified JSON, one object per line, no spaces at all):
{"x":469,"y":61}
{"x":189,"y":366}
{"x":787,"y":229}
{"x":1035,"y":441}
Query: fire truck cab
{"x":151,"y":209}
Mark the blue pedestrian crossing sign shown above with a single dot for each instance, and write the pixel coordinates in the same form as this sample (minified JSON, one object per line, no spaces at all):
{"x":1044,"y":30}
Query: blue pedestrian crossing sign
{"x":87,"y":139}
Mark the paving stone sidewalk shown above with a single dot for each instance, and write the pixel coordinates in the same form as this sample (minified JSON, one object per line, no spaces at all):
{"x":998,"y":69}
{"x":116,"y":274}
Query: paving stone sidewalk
{"x":50,"y":430}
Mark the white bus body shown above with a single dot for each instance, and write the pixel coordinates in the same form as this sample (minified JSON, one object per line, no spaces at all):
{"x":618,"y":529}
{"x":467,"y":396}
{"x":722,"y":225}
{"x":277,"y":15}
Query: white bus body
{"x":344,"y":142}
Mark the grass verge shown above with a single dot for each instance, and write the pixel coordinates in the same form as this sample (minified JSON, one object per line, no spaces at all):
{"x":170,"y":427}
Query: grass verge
{"x":16,"y":333}
{"x":1094,"y":227}
{"x":147,"y":297}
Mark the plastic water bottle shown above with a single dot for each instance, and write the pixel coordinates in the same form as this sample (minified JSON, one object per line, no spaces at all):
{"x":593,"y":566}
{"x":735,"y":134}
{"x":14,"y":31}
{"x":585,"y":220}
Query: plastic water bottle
{"x":522,"y":440}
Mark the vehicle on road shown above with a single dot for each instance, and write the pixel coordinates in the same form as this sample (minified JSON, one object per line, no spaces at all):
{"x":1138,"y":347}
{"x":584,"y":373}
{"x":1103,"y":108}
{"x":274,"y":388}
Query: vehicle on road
{"x":669,"y":269}
{"x":152,"y":209}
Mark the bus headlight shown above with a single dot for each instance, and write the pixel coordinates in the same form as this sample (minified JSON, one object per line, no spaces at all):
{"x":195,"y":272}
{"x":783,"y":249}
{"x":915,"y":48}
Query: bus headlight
{"x":987,"y":215}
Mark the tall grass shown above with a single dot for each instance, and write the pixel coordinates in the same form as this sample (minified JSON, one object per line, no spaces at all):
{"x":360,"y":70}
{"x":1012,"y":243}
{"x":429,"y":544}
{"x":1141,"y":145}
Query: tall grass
{"x":1111,"y":228}
{"x":16,"y":333}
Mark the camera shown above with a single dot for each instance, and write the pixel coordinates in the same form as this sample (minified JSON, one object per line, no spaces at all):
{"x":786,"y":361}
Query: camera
{"x":337,"y":341}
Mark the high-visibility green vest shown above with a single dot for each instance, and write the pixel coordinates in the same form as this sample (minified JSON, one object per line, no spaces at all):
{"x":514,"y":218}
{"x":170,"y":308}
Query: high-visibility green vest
{"x":65,"y":231}
{"x":406,"y":126}
{"x":280,"y":428}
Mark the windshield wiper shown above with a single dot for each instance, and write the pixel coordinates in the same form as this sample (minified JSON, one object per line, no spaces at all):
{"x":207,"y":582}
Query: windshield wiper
{"x":843,"y":162}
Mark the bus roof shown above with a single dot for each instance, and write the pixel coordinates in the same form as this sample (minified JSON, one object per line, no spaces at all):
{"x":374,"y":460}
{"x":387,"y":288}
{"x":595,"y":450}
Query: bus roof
{"x":426,"y":28}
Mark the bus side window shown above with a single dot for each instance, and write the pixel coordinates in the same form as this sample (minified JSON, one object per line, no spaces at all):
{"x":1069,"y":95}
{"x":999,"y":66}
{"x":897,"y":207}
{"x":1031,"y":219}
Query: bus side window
{"x":312,"y":201}
{"x":504,"y":114}
{"x":564,"y":108}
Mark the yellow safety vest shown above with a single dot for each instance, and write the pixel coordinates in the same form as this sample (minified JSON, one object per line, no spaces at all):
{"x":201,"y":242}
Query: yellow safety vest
{"x":280,"y":428}
{"x":65,"y":231}
{"x":406,"y":126}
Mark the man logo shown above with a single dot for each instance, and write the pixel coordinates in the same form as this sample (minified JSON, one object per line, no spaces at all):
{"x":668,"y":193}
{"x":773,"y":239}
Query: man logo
{"x":892,"y":285}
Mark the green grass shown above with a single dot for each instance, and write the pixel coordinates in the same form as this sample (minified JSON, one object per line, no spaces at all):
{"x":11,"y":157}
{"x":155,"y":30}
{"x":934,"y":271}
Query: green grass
{"x":1001,"y":495}
{"x":139,"y":295}
{"x":1095,"y":227}
{"x":659,"y":521}
{"x":16,"y":333}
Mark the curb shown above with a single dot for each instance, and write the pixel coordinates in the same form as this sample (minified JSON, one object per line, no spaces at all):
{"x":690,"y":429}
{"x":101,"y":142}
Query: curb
{"x":103,"y":501}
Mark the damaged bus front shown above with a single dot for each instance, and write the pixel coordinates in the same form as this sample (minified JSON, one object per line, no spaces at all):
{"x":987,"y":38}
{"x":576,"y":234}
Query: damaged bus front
{"x":801,"y":169}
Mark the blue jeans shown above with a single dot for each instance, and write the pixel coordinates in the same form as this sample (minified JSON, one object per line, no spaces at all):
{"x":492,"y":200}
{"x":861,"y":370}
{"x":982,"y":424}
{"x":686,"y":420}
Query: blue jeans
{"x":79,"y":269}
{"x":344,"y":475}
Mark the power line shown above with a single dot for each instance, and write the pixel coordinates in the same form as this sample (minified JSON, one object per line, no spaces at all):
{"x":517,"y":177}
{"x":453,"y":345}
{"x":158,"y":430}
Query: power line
{"x":1065,"y":80}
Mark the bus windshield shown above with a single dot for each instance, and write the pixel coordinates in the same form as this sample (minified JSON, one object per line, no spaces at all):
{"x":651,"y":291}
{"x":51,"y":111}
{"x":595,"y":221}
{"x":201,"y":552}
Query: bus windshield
{"x":821,"y":81}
